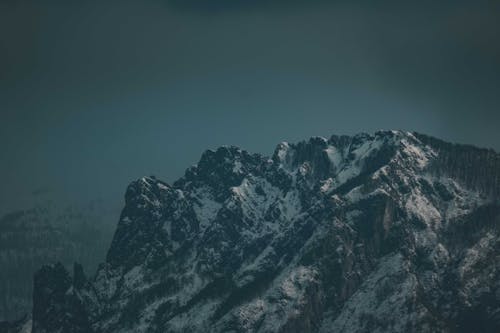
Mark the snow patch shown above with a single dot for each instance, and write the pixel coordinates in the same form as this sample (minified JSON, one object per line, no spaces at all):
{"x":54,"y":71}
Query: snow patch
{"x":422,"y":208}
{"x":335,"y":156}
{"x":382,"y":296}
{"x":282,"y":152}
{"x":237,"y":167}
{"x":205,"y":207}
{"x":415,"y":152}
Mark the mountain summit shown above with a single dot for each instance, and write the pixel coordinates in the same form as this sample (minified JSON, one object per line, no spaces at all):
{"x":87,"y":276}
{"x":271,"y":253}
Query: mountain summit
{"x":390,"y":232}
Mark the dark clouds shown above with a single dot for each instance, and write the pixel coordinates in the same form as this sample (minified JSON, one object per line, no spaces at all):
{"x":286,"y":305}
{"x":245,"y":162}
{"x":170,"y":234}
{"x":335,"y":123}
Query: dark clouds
{"x":94,"y":94}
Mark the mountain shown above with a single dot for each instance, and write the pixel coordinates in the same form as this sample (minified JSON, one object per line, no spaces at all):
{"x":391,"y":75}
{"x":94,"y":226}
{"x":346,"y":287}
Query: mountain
{"x":390,"y":232}
{"x":44,"y":234}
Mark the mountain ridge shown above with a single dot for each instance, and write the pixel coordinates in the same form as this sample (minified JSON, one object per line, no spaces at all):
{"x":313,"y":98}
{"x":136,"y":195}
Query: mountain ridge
{"x":345,"y":234}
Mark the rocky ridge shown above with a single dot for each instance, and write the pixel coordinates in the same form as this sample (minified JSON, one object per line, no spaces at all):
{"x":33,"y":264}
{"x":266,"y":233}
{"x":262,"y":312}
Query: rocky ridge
{"x":390,"y":232}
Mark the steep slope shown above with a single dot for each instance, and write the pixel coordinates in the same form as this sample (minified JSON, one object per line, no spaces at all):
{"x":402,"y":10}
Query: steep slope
{"x":391,"y":232}
{"x":43,"y":235}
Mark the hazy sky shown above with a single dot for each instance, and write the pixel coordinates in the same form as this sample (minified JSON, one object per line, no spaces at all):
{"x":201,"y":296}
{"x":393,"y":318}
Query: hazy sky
{"x":94,"y":94}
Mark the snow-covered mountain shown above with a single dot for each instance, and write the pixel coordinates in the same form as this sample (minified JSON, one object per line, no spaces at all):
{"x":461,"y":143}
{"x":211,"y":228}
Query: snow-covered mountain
{"x":391,"y":232}
{"x":49,"y":232}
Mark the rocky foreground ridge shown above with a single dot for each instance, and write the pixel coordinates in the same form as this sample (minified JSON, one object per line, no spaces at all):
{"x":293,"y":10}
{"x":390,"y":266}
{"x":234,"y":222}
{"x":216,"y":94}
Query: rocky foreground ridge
{"x":391,"y":232}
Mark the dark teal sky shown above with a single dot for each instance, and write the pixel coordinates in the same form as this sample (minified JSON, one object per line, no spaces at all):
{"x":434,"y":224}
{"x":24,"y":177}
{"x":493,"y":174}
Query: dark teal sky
{"x":94,"y":94}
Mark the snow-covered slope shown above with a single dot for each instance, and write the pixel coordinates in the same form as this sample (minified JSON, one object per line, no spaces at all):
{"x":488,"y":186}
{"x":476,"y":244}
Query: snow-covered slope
{"x":391,"y":232}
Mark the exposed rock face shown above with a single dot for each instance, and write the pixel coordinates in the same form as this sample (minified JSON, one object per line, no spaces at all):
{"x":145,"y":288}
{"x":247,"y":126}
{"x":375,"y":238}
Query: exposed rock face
{"x":391,"y":232}
{"x":43,"y":235}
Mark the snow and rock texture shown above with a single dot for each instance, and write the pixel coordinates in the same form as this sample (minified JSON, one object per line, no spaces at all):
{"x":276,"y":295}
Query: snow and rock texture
{"x":47,"y":234}
{"x":391,"y":232}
